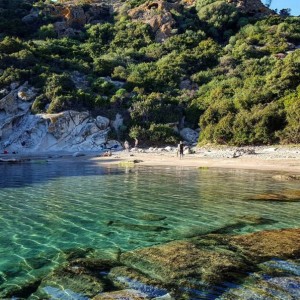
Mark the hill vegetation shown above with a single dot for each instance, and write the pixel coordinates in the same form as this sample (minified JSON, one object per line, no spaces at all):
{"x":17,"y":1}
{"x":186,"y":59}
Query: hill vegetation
{"x":234,"y":72}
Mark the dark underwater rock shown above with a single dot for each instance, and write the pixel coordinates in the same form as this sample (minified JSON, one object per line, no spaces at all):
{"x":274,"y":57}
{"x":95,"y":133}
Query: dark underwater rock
{"x":137,"y":227}
{"x":23,"y":290}
{"x":70,"y":279}
{"x":151,"y":217}
{"x":74,"y":253}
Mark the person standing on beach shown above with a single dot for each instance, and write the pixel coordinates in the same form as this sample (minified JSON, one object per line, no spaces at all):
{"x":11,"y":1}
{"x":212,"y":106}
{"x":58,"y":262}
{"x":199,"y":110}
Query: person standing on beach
{"x":126,"y":146}
{"x":180,"y":149}
{"x":136,"y":142}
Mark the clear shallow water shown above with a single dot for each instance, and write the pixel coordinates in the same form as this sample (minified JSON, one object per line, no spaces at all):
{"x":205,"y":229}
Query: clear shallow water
{"x":47,"y":208}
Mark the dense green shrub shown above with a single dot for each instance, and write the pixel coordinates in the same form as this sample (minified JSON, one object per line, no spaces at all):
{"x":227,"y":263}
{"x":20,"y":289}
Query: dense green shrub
{"x":233,"y":74}
{"x":161,"y":133}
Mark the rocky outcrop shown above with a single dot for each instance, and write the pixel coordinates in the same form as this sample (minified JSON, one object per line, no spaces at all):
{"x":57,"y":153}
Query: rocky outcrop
{"x":21,"y":131}
{"x":158,"y":15}
{"x":72,"y":17}
{"x":251,"y":7}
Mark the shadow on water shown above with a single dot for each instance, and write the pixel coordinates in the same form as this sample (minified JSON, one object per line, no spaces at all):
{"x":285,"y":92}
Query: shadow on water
{"x":32,"y":172}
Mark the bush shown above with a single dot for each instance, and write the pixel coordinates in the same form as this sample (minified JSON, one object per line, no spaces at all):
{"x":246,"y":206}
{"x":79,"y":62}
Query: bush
{"x":161,"y":133}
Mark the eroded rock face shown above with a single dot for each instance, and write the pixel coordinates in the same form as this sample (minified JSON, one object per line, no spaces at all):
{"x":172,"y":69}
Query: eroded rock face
{"x":158,"y":15}
{"x":22,"y":131}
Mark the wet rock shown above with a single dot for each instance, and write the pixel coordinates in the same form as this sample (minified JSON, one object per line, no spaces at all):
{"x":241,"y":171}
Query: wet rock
{"x":284,"y":196}
{"x":265,"y":245}
{"x":181,"y":262}
{"x":121,"y":295}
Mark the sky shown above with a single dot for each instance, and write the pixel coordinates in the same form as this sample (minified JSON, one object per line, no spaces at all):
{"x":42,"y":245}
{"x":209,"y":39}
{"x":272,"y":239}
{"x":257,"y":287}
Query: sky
{"x":294,"y":5}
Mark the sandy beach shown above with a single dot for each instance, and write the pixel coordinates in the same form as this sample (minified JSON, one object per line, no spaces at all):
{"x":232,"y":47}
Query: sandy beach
{"x":283,"y":159}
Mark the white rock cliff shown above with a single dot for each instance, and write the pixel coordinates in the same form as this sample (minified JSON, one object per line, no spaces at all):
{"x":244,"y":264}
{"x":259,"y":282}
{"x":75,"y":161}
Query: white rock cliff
{"x":22,"y":131}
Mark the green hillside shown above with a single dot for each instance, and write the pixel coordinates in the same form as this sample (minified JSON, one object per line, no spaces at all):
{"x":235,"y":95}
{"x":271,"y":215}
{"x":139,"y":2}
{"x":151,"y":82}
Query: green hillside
{"x":233,"y":71}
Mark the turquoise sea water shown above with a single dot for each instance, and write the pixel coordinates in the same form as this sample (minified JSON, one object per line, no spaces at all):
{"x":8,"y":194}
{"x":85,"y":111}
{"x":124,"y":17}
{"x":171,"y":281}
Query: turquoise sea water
{"x":48,"y":208}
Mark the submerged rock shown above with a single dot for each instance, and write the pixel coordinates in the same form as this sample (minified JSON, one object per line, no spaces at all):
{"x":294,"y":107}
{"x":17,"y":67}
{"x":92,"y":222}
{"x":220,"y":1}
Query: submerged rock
{"x":21,"y":290}
{"x":132,"y":274}
{"x":284,"y":196}
{"x":268,"y":289}
{"x":137,"y":227}
{"x":264,"y":245}
{"x":86,"y":285}
{"x":151,"y":217}
{"x":122,"y":295}
{"x":181,"y":262}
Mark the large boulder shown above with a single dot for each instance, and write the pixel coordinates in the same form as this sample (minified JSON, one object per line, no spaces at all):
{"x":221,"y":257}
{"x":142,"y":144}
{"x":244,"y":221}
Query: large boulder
{"x":158,"y":15}
{"x":189,"y":135}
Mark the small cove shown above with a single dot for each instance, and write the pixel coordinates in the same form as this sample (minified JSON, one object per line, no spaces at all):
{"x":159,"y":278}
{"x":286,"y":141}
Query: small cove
{"x":50,"y":208}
